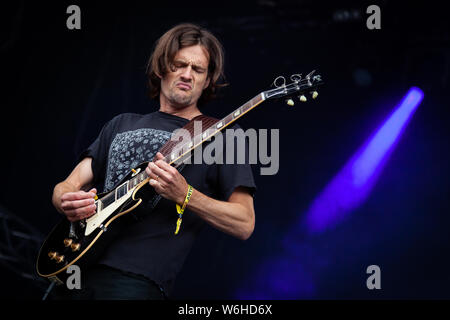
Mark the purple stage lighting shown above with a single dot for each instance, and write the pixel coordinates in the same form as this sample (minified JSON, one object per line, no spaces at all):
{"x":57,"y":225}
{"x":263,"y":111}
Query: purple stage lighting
{"x":297,"y":270}
{"x":352,"y":185}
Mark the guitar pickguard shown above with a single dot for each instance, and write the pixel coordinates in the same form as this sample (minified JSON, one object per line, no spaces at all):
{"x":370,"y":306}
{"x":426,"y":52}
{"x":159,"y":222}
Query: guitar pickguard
{"x":97,"y":219}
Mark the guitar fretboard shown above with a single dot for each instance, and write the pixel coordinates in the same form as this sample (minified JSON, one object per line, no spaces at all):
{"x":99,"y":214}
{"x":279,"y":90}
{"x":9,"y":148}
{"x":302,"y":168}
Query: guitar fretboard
{"x":181,"y":151}
{"x":137,"y":179}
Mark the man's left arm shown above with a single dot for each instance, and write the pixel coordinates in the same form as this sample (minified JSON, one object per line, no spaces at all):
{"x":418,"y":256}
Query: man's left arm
{"x":235,"y":217}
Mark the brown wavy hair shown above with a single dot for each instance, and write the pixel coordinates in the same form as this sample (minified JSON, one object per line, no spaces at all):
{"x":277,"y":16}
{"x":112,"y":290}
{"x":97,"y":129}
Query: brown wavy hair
{"x":179,"y":37}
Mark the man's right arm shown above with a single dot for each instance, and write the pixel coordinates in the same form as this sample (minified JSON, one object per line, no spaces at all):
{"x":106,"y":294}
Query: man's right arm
{"x":68,"y":197}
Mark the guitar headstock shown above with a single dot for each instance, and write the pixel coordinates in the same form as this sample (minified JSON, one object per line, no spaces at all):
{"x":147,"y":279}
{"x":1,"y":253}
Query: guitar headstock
{"x":297,"y":87}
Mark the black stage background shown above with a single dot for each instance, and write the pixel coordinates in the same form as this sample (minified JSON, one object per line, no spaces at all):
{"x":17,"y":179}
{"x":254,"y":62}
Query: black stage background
{"x":60,"y":86}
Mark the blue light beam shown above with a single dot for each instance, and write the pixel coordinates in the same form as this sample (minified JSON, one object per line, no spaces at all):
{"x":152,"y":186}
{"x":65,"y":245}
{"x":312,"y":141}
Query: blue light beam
{"x":296,"y":271}
{"x":352,"y":185}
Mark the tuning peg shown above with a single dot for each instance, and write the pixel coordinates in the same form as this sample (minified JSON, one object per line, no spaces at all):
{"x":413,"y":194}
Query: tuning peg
{"x":290,"y":102}
{"x":314,"y":94}
{"x":302,"y":98}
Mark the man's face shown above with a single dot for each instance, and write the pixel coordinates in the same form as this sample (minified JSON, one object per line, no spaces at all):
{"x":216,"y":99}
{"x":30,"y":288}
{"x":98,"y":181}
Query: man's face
{"x":184,"y":86}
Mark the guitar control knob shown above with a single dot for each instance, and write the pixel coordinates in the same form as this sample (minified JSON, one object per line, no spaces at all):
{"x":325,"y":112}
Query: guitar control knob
{"x":75,"y":246}
{"x":59,"y":259}
{"x":67,"y":242}
{"x":314,"y":94}
{"x":52,"y":255}
{"x":302,"y":98}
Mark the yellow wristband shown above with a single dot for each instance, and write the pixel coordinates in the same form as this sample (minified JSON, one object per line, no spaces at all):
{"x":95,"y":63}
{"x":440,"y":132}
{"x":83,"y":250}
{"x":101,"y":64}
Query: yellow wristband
{"x":180,"y":210}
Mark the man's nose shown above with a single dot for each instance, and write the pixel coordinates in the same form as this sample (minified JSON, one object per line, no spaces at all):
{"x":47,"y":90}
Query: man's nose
{"x":186,"y":74}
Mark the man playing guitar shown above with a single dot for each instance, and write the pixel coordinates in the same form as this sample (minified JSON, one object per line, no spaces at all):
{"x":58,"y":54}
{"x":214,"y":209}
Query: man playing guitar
{"x":143,"y":261}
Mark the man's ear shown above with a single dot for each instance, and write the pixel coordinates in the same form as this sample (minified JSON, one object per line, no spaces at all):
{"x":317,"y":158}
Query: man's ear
{"x":206,"y":83}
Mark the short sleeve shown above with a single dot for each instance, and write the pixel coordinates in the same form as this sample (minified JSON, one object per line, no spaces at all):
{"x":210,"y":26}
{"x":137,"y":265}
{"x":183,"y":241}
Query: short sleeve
{"x":238,"y":171}
{"x":99,"y":150}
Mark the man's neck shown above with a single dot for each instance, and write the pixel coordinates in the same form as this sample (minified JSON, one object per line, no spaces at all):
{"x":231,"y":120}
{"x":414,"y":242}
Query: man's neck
{"x":188,"y":112}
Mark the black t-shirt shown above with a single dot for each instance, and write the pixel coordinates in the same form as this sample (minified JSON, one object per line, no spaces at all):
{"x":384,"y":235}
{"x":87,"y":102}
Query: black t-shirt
{"x":149,"y":247}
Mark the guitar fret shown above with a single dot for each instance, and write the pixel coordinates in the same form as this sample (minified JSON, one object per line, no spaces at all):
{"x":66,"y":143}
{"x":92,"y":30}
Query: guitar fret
{"x":137,"y":179}
{"x":121,"y":191}
{"x":228,"y":119}
{"x":247,"y":106}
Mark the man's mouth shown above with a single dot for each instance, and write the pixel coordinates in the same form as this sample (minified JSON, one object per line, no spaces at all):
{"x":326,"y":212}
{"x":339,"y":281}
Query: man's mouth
{"x":183,"y":86}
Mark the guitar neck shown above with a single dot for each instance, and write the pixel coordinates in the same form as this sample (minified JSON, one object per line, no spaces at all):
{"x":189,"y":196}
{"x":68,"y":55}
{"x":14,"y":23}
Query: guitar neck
{"x":180,"y":152}
{"x":239,"y":112}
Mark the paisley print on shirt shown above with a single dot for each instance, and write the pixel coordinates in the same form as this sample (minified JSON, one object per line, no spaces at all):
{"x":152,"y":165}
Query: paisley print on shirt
{"x":130,"y":148}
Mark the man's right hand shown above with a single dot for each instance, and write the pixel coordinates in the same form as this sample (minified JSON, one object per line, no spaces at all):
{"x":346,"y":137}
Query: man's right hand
{"x":78,"y":205}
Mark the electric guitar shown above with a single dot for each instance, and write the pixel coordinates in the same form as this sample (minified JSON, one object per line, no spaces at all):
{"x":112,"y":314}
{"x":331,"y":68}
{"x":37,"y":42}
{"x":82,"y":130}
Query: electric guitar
{"x":82,"y":241}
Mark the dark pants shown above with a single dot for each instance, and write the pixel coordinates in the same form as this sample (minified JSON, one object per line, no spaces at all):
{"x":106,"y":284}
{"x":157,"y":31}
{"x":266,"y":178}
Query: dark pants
{"x":105,"y":283}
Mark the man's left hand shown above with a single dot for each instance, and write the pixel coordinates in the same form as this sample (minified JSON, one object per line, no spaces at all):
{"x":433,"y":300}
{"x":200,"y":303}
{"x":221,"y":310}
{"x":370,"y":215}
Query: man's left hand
{"x":166,"y":180}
